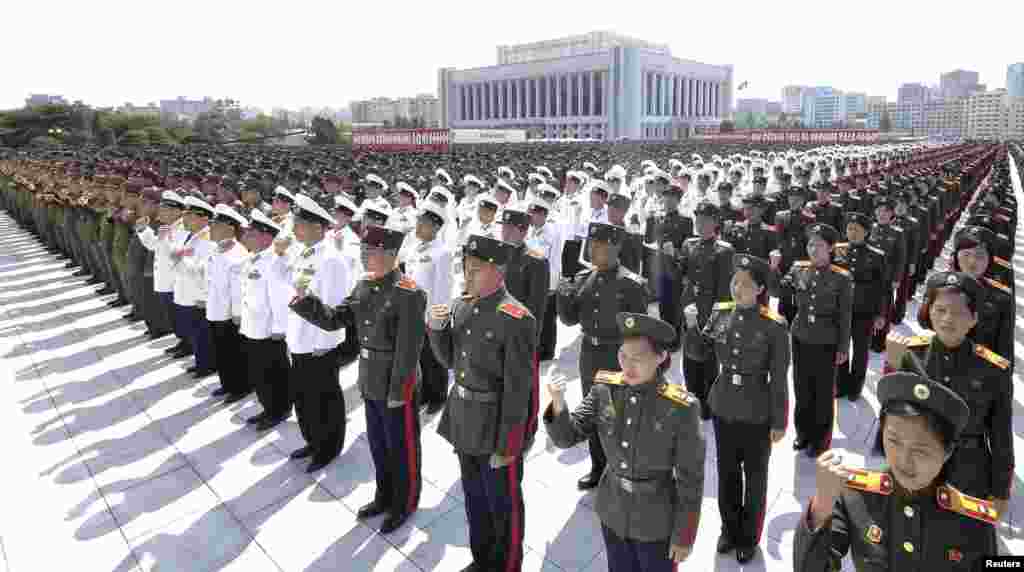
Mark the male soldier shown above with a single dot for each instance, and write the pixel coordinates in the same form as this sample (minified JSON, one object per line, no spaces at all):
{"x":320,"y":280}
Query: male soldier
{"x":265,"y":293}
{"x":153,"y":309}
{"x":632,"y":248}
{"x":527,"y":273}
{"x":912,"y":232}
{"x":664,"y":236}
{"x":729,"y":215}
{"x":224,"y":302}
{"x":592,"y":301}
{"x":106,"y":231}
{"x":124,"y":226}
{"x":866,"y":265}
{"x":166,"y":239}
{"x":753,"y":236}
{"x":428,"y":261}
{"x":489,"y":339}
{"x":792,"y":226}
{"x":546,"y":238}
{"x":890,"y":239}
{"x":346,"y":242}
{"x":313,"y":378}
{"x":387,"y":308}
{"x":823,"y":208}
{"x":705,"y":265}
{"x":190,"y":285}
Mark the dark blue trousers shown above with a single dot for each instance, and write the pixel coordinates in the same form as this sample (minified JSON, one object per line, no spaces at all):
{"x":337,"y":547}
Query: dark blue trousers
{"x":178,"y":319}
{"x":495,"y":512}
{"x":626,"y":555}
{"x":197,"y":329}
{"x":394,"y":436}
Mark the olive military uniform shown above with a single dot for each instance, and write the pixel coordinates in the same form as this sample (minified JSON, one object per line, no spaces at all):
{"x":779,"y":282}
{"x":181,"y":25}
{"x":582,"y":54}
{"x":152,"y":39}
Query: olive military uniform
{"x":659,"y":269}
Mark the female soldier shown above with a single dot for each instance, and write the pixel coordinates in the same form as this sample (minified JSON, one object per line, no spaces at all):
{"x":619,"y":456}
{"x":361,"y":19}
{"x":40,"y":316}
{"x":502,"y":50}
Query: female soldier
{"x":906,"y":518}
{"x":823,"y":293}
{"x":973,"y":256}
{"x":753,"y":352}
{"x":982,"y":465}
{"x":650,"y":493}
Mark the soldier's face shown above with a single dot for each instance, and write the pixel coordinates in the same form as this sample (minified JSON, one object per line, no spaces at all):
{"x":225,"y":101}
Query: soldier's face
{"x":221,"y":231}
{"x":855,"y":233}
{"x":597,"y":199}
{"x":603,"y":253}
{"x":753,"y":213}
{"x":257,"y":239}
{"x":425,"y":230}
{"x":481,"y":276}
{"x":376,"y":260}
{"x":486,"y":214}
{"x":616,"y":215}
{"x":280,"y":206}
{"x":639,"y":361}
{"x":707,"y":226}
{"x":169,"y":214}
{"x":744,"y":289}
{"x":973,"y":261}
{"x":538,"y":217}
{"x":199,"y":222}
{"x":819,"y":251}
{"x":913,"y":451}
{"x":883,"y":214}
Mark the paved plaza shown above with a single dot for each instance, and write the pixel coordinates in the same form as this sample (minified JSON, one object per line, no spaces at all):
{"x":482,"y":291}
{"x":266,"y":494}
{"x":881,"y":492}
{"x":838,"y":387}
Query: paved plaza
{"x":117,"y":461}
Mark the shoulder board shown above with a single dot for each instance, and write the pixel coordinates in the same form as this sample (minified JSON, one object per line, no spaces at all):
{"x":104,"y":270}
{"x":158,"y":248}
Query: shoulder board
{"x":802,"y":263}
{"x":870,"y":482}
{"x":953,"y":500}
{"x":919,"y":341}
{"x":998,"y":285}
{"x":406,"y":283}
{"x":676,"y":394}
{"x":723,"y":306}
{"x":608,"y":377}
{"x":772,"y":315}
{"x":1001,"y":261}
{"x":204,"y":234}
{"x":991,"y":356}
{"x":514,"y":310}
{"x":723,"y":244}
{"x":876,"y":250}
{"x":535,"y":253}
{"x":769,"y":227}
{"x":840,"y":270}
{"x":630,"y":275}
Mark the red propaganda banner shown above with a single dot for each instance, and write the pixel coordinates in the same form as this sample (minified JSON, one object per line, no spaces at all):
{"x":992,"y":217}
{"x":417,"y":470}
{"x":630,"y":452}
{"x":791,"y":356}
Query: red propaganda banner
{"x":807,"y":136}
{"x":422,"y":140}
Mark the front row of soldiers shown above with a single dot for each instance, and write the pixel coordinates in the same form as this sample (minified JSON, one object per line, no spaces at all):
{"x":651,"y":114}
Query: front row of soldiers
{"x":647,"y":443}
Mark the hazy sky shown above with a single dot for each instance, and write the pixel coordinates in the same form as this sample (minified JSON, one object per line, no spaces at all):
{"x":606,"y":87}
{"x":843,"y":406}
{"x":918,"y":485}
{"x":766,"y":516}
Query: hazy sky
{"x":297,"y":53}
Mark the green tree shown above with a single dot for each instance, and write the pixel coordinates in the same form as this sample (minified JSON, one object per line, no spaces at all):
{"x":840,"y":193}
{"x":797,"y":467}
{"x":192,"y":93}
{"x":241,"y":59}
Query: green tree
{"x":158,"y":136}
{"x":122,"y":123}
{"x":134,"y":137}
{"x":323,"y":132}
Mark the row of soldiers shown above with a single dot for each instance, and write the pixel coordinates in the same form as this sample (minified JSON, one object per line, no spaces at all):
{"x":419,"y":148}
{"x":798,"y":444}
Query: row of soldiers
{"x":313,"y":253}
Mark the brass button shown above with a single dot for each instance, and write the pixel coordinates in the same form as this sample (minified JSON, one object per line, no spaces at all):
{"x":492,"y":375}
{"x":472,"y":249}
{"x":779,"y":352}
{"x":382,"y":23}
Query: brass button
{"x":623,"y":465}
{"x":908,"y":547}
{"x":908,"y":511}
{"x":468,"y":332}
{"x":625,"y":444}
{"x":462,"y":375}
{"x":735,"y":351}
{"x":632,"y":399}
{"x":366,"y":322}
{"x":629,"y":421}
{"x":476,"y":310}
{"x":463,"y":354}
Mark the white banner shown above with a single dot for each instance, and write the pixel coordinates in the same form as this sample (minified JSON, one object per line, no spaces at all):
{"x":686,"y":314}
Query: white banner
{"x":477,"y":136}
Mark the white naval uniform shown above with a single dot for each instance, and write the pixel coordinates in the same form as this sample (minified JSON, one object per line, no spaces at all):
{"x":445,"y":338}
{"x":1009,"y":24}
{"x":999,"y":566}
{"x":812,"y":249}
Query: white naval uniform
{"x":265,"y":294}
{"x":403,"y":219}
{"x":162,"y":247}
{"x":224,"y":271}
{"x":548,"y":240}
{"x":429,"y":264}
{"x":329,"y":279}
{"x":190,"y":287}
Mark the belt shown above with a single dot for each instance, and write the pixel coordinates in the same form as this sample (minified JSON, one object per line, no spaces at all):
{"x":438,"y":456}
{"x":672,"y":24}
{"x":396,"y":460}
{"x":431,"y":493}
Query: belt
{"x":973,"y":442}
{"x":599,"y":341}
{"x":370,"y":353}
{"x":463,"y":392}
{"x":639,"y":485}
{"x":736,"y":378}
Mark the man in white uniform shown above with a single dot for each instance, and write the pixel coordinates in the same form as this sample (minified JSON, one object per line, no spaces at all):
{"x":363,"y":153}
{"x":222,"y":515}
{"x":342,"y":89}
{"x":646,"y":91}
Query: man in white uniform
{"x":190,"y":286}
{"x":225,"y":300}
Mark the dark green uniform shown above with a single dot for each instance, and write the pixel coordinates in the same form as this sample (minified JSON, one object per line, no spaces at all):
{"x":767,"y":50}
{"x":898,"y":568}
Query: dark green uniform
{"x":866,"y":265}
{"x":527,"y":278}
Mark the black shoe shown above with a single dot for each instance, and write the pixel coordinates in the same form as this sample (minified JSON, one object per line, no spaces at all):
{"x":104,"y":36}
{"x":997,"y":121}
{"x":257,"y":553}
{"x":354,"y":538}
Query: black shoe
{"x":174,"y":349}
{"x":745,"y":554}
{"x":269,"y":423}
{"x":94,"y":280}
{"x":219,"y":391}
{"x":185,"y":352}
{"x":105,"y":290}
{"x":256,"y":419}
{"x":371,"y":510}
{"x":393,"y":523}
{"x":156,"y":335}
{"x":80,"y":273}
{"x":192,"y":369}
{"x":725,"y":544}
{"x":853,"y":397}
{"x":434,"y":407}
{"x":474,"y":567}
{"x":133,"y":318}
{"x":318,"y":465}
{"x":588,"y":481}
{"x":70,"y":264}
{"x":302,"y":453}
{"x":205,"y":372}
{"x":233,"y":397}
{"x":800,"y":444}
{"x":117,"y":303}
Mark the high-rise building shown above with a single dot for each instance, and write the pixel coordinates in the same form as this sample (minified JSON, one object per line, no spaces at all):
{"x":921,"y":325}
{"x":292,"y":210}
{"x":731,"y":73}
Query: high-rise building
{"x":752,"y":105}
{"x":958,"y":83}
{"x":1015,"y":80}
{"x":186,"y":107}
{"x":792,"y":96}
{"x":423,"y":107}
{"x":912,"y":94}
{"x":44,"y":99}
{"x":986,"y":115}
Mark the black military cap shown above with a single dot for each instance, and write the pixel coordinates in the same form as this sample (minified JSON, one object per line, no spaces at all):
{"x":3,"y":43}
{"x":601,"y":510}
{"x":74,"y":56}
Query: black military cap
{"x":606,"y":232}
{"x":786,"y":178}
{"x":754,"y":201}
{"x":515,"y":217}
{"x":754,"y":264}
{"x":826,"y":232}
{"x":960,"y":280}
{"x":706,"y":208}
{"x":797,"y":191}
{"x":725,"y":187}
{"x":884,"y":201}
{"x":903,"y":387}
{"x":823,"y":186}
{"x":685,"y":175}
{"x":487,"y":249}
{"x":973,"y":236}
{"x":619,"y":200}
{"x":383,"y":237}
{"x":861,"y":219}
{"x":642,"y":325}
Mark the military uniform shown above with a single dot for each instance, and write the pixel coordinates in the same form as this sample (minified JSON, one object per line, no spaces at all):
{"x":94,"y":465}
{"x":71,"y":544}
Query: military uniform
{"x":890,"y":239}
{"x":527,"y":274}
{"x":388,"y":312}
{"x":753,"y":237}
{"x":660,"y":269}
{"x":820,"y":330}
{"x":650,"y":494}
{"x":749,"y":398}
{"x":592,"y":301}
{"x":491,"y":414}
{"x":792,"y":229}
{"x":191,"y":290}
{"x":223,"y":304}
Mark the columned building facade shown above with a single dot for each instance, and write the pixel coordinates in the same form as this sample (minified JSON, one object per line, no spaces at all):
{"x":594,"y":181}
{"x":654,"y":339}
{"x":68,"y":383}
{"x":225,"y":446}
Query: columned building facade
{"x":612,"y":93}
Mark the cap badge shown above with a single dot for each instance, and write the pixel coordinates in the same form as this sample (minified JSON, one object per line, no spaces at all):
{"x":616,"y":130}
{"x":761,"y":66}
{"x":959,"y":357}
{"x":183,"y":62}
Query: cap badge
{"x":744,"y":261}
{"x":952,"y":280}
{"x":873,"y":534}
{"x":921,"y":391}
{"x":630,"y":323}
{"x":472,"y":245}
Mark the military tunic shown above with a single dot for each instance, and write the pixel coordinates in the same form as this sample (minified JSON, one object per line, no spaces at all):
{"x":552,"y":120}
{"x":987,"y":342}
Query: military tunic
{"x":866,"y":265}
{"x":996,"y":314}
{"x":755,"y":239}
{"x":660,"y":269}
{"x":527,"y":278}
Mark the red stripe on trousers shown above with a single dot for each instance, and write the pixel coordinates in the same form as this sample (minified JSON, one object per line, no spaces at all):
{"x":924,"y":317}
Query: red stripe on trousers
{"x":410,"y":439}
{"x":512,"y":564}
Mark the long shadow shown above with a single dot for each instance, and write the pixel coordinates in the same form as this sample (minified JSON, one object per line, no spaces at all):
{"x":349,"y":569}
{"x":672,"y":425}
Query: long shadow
{"x":79,"y":281}
{"x":38,"y":293}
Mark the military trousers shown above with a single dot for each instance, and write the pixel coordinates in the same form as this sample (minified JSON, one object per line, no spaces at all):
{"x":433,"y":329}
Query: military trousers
{"x":394,"y":437}
{"x":435,"y":375}
{"x":851,"y":375}
{"x":319,"y":403}
{"x":495,"y":512}
{"x":231,"y":362}
{"x":197,"y":329}
{"x":268,"y":372}
{"x":878,"y":338}
{"x":814,"y":383}
{"x":742,"y":451}
{"x":176,"y":322}
{"x":625,"y":555}
{"x":788,"y":308}
{"x":548,"y":330}
{"x":698,"y":376}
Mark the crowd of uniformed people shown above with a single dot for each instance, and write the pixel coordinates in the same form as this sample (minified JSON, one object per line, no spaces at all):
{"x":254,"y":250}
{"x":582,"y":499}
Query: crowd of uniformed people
{"x":444,"y":277}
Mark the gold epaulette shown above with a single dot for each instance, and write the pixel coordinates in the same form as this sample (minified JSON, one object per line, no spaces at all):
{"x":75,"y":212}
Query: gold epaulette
{"x":406,"y":283}
{"x":535,"y":253}
{"x":870,"y":481}
{"x":953,"y":500}
{"x":514,"y":310}
{"x":608,"y":377}
{"x":721,"y":306}
{"x":772,"y":315}
{"x":919,"y":341}
{"x":998,"y":285}
{"x":204,"y":234}
{"x":991,"y":356}
{"x":802,"y":263}
{"x":676,"y":394}
{"x":840,"y":270}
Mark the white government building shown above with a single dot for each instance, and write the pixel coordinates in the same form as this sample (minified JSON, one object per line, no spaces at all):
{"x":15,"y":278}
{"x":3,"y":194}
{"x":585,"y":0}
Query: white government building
{"x":599,"y":85}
